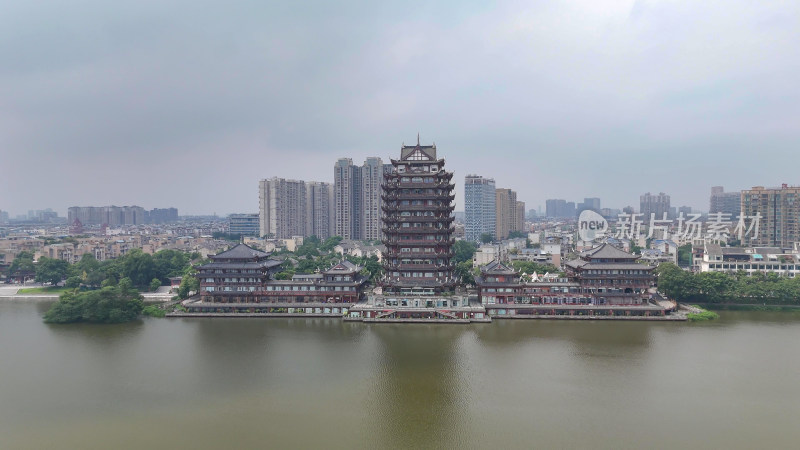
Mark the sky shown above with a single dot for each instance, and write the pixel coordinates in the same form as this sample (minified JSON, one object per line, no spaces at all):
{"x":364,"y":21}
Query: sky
{"x":190,"y":103}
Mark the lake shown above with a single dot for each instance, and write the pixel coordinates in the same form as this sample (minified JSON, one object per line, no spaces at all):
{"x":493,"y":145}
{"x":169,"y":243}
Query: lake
{"x":297,"y":383}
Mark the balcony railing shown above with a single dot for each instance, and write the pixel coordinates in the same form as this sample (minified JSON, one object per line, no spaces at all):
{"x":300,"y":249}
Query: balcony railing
{"x":389,"y":208}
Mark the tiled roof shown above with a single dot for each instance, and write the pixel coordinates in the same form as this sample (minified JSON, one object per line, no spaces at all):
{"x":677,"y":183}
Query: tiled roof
{"x":344,"y":266}
{"x":617,"y":266}
{"x":241,"y":251}
{"x":607,"y":251}
{"x":497,"y":267}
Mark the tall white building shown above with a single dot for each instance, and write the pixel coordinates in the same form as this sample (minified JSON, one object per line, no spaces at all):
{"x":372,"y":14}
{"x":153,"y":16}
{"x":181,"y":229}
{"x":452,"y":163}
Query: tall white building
{"x":347,"y":198}
{"x":357,"y":198}
{"x":479,"y":207}
{"x":282,"y":208}
{"x":319,"y":214}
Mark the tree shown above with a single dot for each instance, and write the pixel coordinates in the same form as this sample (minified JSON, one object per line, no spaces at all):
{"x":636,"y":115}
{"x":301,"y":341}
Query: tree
{"x":486,"y":238}
{"x":87,"y":264}
{"x":530,"y":267}
{"x":23,"y":263}
{"x":111,"y":304}
{"x":139,"y":267}
{"x":189,"y":284}
{"x":330,"y":243}
{"x":169,"y":263}
{"x":373,"y":267}
{"x":73,"y":282}
{"x":285,"y":275}
{"x":49,"y":270}
{"x":673,"y":281}
{"x":155,"y":283}
{"x":464,"y":271}
{"x":463,"y":251}
{"x":517,"y":234}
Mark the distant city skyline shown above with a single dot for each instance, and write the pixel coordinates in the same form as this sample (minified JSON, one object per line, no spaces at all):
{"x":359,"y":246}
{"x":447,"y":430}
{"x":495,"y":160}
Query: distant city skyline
{"x":698,"y":203}
{"x":167,"y":104}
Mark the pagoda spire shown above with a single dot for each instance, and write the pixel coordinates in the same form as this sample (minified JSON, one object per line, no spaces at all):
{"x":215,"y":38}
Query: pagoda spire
{"x":417,"y":139}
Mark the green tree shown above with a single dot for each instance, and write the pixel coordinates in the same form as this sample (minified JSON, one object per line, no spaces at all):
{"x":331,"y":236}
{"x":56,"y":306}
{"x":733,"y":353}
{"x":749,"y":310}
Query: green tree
{"x":170,"y":263}
{"x":139,"y":267}
{"x":189,"y":284}
{"x":517,"y":234}
{"x":49,"y":270}
{"x":155,"y":283}
{"x":529,"y":267}
{"x":465,"y":272}
{"x":674,"y":282}
{"x":486,"y":238}
{"x":373,"y":267}
{"x":23,"y":262}
{"x":463,"y":251}
{"x":285,"y":275}
{"x":111,"y":304}
{"x":73,"y":282}
{"x":330,"y":243}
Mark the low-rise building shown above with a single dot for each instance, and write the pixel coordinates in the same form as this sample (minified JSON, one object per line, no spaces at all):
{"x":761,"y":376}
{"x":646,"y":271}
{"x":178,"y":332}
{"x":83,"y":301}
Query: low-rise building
{"x":604,"y":281}
{"x":749,"y":259}
{"x":242,"y":280}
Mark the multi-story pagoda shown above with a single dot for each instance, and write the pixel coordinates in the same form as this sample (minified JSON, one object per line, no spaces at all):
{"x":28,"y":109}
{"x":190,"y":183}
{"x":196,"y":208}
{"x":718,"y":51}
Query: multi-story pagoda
{"x":419,"y":280}
{"x":417,"y":217}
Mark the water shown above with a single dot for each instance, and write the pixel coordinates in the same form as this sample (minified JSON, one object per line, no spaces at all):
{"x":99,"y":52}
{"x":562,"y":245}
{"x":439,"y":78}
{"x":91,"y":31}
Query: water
{"x":322,"y":383}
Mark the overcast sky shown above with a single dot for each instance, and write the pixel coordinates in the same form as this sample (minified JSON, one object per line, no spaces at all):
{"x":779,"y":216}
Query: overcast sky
{"x":190,"y":103}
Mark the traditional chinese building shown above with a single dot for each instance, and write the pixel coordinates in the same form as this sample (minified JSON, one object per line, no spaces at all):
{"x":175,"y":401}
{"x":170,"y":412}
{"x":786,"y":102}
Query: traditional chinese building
{"x":417,"y":207}
{"x":419,"y":281}
{"x":612,"y":276}
{"x":604,"y":281}
{"x":242,"y":280}
{"x":234,"y":275}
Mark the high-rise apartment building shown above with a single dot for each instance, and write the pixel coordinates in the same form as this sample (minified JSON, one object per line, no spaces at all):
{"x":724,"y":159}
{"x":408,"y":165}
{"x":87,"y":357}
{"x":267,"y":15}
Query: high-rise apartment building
{"x":479,"y":207}
{"x":162,"y":215}
{"x":282,"y":208}
{"x":725,"y":202}
{"x":372,"y":174}
{"x":591,"y":203}
{"x":505,"y":212}
{"x":520,"y":224}
{"x":319,"y":213}
{"x":560,"y":209}
{"x":654,"y":204}
{"x":347,"y":198}
{"x":108,"y":215}
{"x":357,"y":198}
{"x":779,"y":209}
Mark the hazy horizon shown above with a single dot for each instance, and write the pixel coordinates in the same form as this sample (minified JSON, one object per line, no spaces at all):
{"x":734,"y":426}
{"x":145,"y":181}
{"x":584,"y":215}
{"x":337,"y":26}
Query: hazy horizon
{"x":190,"y":104}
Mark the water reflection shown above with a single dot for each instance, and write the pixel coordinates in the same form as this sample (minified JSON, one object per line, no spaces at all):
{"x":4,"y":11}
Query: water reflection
{"x":419,"y":397}
{"x":627,"y":335}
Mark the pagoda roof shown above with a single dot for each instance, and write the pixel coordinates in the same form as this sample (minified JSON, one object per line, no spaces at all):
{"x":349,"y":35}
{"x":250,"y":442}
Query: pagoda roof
{"x":616,"y":266}
{"x":241,"y":265}
{"x":498,"y":268}
{"x":241,"y":251}
{"x":607,"y":251}
{"x":343,"y":267}
{"x":418,"y":152}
